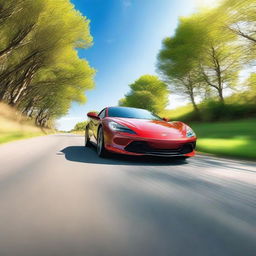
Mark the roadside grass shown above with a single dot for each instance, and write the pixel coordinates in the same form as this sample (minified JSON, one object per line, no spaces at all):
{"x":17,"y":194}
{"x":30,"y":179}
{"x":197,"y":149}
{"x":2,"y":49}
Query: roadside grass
{"x":230,"y":138}
{"x":8,"y":137}
{"x":79,"y":132}
{"x":14,"y":126}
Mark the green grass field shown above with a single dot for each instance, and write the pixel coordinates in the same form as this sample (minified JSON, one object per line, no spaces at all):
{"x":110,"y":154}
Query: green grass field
{"x":230,"y":138}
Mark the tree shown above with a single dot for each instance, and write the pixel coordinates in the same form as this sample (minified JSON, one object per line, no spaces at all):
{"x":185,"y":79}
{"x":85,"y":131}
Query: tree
{"x":80,"y":126}
{"x":65,"y":82}
{"x":200,"y":57}
{"x":220,"y":56}
{"x":178,"y":63}
{"x":148,"y":92}
{"x":42,"y":77}
{"x":241,"y":18}
{"x":238,"y":17}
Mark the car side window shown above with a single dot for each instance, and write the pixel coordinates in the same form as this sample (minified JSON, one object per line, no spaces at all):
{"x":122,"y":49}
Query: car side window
{"x":102,"y":114}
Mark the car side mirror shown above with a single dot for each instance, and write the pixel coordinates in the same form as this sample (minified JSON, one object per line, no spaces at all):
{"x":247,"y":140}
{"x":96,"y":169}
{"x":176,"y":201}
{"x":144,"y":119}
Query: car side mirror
{"x":93,"y":115}
{"x":166,"y":119}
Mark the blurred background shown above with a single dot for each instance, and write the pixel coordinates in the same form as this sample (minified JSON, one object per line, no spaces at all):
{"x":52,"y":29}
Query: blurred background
{"x":186,"y":60}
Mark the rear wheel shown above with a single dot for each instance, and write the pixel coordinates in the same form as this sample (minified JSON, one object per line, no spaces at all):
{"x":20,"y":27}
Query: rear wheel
{"x":86,"y":138}
{"x":101,"y":150}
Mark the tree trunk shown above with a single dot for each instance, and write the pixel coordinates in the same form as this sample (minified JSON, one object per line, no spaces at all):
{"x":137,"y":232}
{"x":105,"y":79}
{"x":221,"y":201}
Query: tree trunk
{"x":220,"y":91}
{"x":29,"y":74}
{"x":190,"y":87}
{"x":18,"y":66}
{"x":28,"y":107}
{"x":37,"y":119}
{"x":194,"y":104}
{"x":3,"y":90}
{"x":31,"y":112}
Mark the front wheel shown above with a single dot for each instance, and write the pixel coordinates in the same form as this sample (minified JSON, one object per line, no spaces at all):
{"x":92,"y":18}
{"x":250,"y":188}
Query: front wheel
{"x":101,"y":150}
{"x":183,"y":158}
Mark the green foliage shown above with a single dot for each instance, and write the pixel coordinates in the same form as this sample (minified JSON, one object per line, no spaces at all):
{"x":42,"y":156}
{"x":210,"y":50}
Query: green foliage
{"x":212,"y":111}
{"x":148,"y":92}
{"x":80,"y":126}
{"x":177,"y":60}
{"x":215,"y":111}
{"x":240,"y":18}
{"x":251,"y":84}
{"x":201,"y":59}
{"x":177,"y":113}
{"x":41,"y":72}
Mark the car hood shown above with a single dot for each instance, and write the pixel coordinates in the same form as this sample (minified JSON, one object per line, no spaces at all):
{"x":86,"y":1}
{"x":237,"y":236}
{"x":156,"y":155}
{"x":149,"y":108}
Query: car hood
{"x":156,"y":129}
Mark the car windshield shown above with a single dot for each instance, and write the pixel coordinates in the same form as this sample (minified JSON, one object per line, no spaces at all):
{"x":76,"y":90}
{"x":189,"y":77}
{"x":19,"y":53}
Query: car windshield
{"x":132,"y":113}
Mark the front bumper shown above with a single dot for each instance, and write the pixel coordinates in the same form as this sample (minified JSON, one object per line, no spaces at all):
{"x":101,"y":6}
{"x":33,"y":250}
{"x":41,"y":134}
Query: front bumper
{"x":133,"y":145}
{"x":143,"y":147}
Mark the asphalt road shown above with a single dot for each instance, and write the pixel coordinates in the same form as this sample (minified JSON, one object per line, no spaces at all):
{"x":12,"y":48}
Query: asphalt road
{"x":59,"y":199}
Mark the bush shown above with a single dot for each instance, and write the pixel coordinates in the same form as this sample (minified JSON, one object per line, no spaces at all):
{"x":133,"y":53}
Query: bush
{"x":80,"y":126}
{"x":212,"y":111}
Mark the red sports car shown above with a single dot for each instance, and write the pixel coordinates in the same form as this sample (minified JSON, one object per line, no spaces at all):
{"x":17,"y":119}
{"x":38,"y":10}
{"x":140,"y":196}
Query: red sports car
{"x":134,"y":131}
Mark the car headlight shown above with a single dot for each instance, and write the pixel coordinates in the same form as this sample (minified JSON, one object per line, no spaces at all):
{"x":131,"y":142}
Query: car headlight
{"x":120,"y":128}
{"x":190,"y":132}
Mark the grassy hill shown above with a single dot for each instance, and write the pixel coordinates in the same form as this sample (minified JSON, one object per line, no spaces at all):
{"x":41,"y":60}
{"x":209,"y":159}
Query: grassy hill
{"x":13,"y":125}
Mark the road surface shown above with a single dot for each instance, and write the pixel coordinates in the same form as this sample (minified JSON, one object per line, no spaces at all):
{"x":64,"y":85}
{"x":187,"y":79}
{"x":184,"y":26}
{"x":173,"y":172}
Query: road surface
{"x":59,"y":199}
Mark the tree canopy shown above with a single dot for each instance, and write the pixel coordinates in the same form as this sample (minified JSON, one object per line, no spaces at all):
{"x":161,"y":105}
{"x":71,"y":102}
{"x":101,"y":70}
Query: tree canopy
{"x":40,"y":71}
{"x":202,"y":58}
{"x":147,"y":92}
{"x":79,"y":126}
{"x":241,"y":20}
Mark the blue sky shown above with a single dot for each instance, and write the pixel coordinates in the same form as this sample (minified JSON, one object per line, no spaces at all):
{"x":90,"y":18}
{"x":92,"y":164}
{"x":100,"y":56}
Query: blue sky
{"x":127,"y":38}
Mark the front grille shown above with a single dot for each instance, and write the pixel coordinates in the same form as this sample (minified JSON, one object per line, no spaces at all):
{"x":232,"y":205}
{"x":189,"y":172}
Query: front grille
{"x":144,"y":148}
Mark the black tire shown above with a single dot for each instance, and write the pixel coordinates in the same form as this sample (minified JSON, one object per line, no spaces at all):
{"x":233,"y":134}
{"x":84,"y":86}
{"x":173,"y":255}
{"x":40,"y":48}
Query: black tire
{"x":101,"y":150}
{"x":86,"y":138}
{"x":183,"y":158}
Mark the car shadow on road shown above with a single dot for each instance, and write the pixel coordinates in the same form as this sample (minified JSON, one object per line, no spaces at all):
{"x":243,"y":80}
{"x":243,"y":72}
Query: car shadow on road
{"x":89,"y":155}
